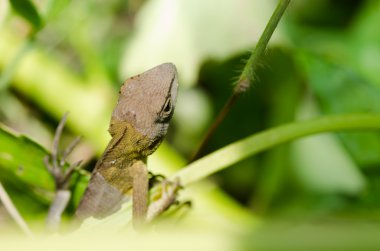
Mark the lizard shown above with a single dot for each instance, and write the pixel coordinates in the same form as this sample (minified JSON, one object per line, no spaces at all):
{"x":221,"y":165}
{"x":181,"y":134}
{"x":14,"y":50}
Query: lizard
{"x":138,"y":125}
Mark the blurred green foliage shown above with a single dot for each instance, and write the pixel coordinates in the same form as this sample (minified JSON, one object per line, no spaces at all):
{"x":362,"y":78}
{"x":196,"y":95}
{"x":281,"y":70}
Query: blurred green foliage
{"x":323,"y":59}
{"x":26,"y":176}
{"x":27,"y":10}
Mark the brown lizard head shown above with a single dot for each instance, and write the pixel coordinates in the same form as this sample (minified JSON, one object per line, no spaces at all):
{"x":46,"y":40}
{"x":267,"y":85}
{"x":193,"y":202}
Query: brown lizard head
{"x":146,"y":105}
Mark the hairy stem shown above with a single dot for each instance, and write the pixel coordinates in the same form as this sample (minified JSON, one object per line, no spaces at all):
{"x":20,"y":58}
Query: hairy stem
{"x":247,"y":76}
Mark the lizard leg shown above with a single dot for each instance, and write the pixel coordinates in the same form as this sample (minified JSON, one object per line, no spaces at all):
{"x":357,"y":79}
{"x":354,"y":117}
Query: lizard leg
{"x":140,"y":194}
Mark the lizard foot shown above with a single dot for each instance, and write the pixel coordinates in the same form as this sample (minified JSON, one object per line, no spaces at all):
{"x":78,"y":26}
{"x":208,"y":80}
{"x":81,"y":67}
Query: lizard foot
{"x":168,"y":197}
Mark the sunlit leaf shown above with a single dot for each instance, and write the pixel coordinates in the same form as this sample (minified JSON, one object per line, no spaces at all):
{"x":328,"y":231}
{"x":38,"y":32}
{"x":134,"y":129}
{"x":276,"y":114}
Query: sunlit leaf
{"x":23,"y":158}
{"x":27,"y":10}
{"x":21,"y":166}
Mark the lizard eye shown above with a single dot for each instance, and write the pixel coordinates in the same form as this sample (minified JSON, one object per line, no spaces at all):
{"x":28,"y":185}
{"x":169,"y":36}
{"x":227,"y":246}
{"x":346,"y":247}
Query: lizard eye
{"x":167,"y":109}
{"x":168,"y":106}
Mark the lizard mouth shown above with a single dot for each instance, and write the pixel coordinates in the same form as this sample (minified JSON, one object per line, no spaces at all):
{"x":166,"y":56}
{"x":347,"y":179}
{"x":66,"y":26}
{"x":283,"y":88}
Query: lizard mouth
{"x":154,"y":144}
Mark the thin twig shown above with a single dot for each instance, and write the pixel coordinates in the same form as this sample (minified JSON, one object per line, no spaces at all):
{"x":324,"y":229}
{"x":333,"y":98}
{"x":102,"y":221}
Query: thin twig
{"x":47,"y":164}
{"x":70,"y":170}
{"x":247,"y":76}
{"x":12,"y":210}
{"x":57,"y":137}
{"x":227,"y":107}
{"x":56,"y":164}
{"x":69,"y":149}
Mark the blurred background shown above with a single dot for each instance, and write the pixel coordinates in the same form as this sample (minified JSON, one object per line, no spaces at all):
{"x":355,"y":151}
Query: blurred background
{"x":324,"y":58}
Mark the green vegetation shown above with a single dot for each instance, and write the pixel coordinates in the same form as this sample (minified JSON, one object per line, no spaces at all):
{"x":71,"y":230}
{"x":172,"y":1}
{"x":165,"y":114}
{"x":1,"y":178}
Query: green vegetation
{"x":295,"y":163}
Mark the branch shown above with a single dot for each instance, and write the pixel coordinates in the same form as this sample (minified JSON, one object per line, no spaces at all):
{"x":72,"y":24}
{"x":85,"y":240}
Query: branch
{"x":56,"y":165}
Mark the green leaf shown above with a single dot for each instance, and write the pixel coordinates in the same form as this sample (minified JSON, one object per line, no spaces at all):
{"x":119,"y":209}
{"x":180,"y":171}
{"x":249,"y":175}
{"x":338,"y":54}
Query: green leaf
{"x":24,"y":175}
{"x":115,"y":222}
{"x":363,"y":52}
{"x":322,"y":165}
{"x":340,"y":89}
{"x":21,"y":166}
{"x":27,"y":10}
{"x":55,"y":8}
{"x":22,"y":158}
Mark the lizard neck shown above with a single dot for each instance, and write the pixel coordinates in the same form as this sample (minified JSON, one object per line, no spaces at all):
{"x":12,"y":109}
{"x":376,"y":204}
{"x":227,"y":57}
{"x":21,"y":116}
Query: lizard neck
{"x":126,"y":149}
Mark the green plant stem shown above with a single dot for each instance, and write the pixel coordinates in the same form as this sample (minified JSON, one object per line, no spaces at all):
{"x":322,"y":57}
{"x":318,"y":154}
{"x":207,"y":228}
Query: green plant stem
{"x":247,"y":76}
{"x":9,"y":69}
{"x":12,"y":210}
{"x":259,"y":142}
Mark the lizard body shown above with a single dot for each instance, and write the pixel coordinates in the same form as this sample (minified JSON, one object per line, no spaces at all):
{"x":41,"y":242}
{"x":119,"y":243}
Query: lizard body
{"x":139,"y":123}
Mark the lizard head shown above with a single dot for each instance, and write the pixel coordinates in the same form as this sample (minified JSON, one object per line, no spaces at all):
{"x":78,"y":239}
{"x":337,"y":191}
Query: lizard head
{"x":146,"y":104}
